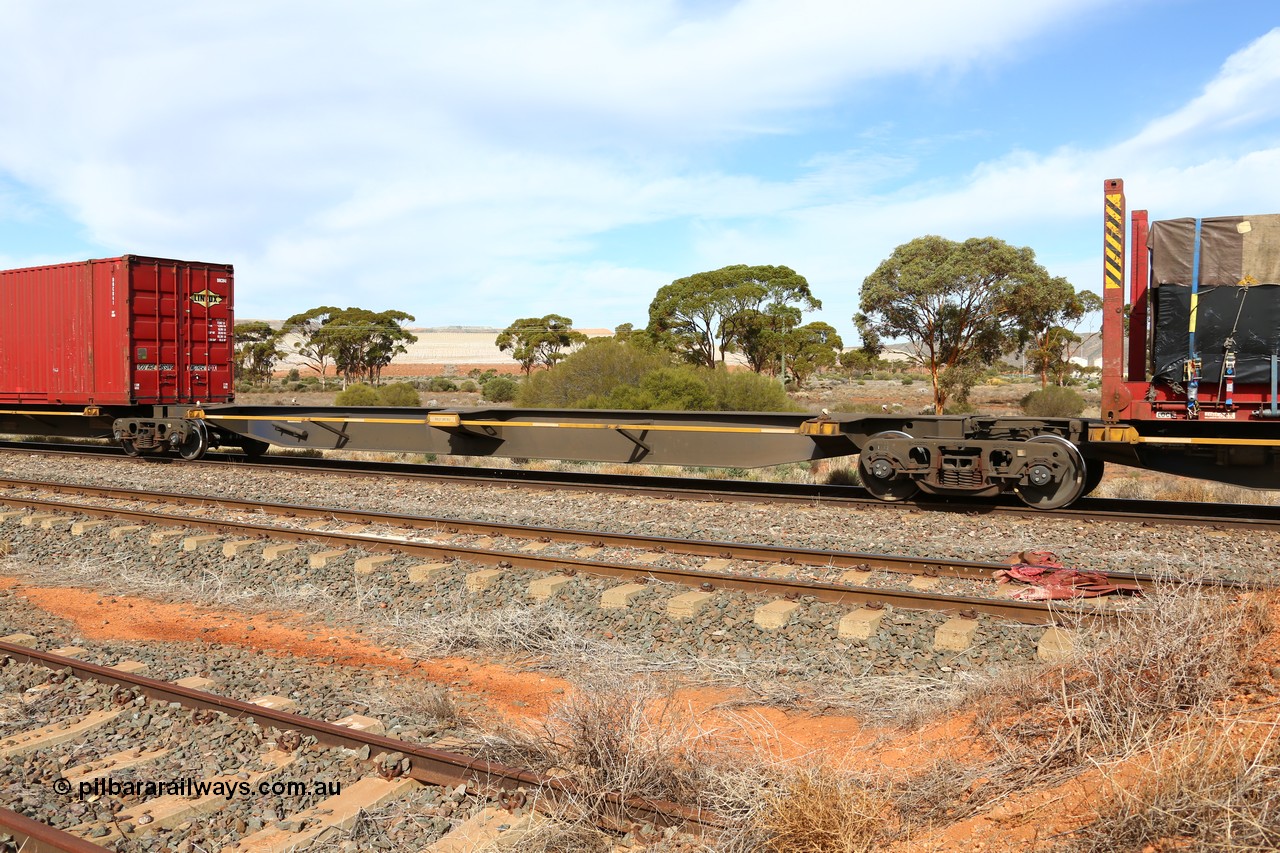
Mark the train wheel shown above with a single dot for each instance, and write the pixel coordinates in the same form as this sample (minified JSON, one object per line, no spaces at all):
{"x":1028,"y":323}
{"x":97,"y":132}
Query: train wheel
{"x":196,"y":442}
{"x":881,"y":480}
{"x":129,"y":448}
{"x":1093,"y":469}
{"x":1050,"y":493}
{"x":253,"y":448}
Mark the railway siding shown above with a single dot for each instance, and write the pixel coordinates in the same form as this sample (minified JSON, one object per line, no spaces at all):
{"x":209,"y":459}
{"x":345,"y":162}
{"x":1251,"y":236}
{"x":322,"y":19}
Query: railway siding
{"x":1084,"y":543}
{"x":108,"y":741}
{"x":655,"y":620}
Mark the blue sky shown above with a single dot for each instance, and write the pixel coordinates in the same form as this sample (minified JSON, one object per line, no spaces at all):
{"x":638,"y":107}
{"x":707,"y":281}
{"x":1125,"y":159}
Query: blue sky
{"x":476,"y":163}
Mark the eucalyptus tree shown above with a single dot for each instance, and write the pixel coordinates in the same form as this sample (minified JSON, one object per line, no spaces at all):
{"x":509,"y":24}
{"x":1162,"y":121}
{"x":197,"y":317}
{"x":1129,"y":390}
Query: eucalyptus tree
{"x":956,"y":304}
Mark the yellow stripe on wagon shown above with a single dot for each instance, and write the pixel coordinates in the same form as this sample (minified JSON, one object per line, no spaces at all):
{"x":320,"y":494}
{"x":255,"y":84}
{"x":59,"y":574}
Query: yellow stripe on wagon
{"x":90,"y":412}
{"x":1129,"y":435}
{"x":447,"y":421}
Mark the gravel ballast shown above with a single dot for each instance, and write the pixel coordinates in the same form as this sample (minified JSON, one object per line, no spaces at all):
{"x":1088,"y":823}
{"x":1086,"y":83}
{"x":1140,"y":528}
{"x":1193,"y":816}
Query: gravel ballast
{"x":1112,"y":546}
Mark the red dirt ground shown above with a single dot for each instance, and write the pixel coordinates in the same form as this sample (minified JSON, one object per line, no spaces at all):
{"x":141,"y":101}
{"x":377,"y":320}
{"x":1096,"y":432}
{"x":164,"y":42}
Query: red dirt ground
{"x":506,"y":691}
{"x":458,"y":370}
{"x":1020,"y":823}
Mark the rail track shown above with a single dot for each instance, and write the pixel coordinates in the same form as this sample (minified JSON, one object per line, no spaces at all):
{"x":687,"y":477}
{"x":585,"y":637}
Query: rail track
{"x":766,"y":574}
{"x":378,"y":768}
{"x":1186,"y":513}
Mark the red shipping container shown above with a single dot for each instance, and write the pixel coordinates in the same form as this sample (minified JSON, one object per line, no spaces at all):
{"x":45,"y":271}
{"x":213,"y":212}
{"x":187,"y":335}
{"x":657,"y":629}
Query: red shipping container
{"x":116,"y":332}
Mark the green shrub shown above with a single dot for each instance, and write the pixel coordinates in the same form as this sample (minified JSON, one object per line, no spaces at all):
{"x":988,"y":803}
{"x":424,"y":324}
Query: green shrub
{"x":399,"y":394}
{"x":908,"y":381}
{"x":610,"y":374}
{"x":442,"y":384}
{"x":358,"y":394}
{"x":743,"y":391}
{"x":674,"y":388}
{"x":501,"y":389}
{"x":1053,"y":402}
{"x":294,"y":375}
{"x":593,"y":371}
{"x":469,"y":386}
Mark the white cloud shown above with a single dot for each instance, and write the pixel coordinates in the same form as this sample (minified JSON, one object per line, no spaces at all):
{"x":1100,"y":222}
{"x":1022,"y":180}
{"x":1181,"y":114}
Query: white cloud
{"x":460,"y":160}
{"x":1203,"y":159}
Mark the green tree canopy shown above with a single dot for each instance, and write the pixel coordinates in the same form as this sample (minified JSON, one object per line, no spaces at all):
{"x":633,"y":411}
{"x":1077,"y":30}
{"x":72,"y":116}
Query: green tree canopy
{"x":305,"y":326}
{"x":736,"y":308}
{"x":539,"y":340}
{"x":257,"y":350}
{"x":362,"y":342}
{"x":1048,"y":312}
{"x":611,"y":374}
{"x":955,"y":303}
{"x":809,"y":348}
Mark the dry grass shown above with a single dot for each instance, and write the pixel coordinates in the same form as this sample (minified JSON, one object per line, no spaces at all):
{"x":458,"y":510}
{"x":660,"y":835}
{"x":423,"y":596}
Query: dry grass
{"x":1216,"y":788}
{"x":1129,"y":483}
{"x":543,"y":631}
{"x":430,"y":706}
{"x":615,"y":734}
{"x":126,"y":574}
{"x":1128,"y":683}
{"x":820,"y":811}
{"x":817,"y":808}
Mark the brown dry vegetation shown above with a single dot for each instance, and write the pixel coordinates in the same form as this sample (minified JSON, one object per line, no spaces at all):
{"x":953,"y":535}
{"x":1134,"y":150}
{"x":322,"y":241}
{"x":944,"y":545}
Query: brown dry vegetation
{"x":1158,"y":733}
{"x":1140,"y":740}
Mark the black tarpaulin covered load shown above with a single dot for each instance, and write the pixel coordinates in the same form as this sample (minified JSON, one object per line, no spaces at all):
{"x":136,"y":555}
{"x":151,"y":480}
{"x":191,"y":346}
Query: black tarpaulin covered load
{"x":1238,"y":295}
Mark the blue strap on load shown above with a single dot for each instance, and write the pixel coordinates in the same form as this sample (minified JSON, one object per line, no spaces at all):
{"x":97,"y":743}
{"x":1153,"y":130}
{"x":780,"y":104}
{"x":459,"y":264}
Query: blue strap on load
{"x":1195,"y":292}
{"x":1193,"y":362}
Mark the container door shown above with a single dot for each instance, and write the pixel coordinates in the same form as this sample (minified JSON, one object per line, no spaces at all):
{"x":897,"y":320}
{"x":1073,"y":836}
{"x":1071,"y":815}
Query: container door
{"x":182,"y":347}
{"x":204,"y":326}
{"x":155,"y":336}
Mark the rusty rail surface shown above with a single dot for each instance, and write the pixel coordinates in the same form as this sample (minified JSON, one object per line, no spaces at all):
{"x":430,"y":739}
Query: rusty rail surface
{"x":1029,"y":612}
{"x":427,"y":765}
{"x":971,"y":569}
{"x":33,"y":836}
{"x":1119,"y":510}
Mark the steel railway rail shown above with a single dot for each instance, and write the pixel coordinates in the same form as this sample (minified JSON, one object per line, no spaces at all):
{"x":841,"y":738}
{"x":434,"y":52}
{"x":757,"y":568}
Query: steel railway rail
{"x":786,"y":554}
{"x":1187,"y":513}
{"x":1029,"y":612}
{"x":425,"y":764}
